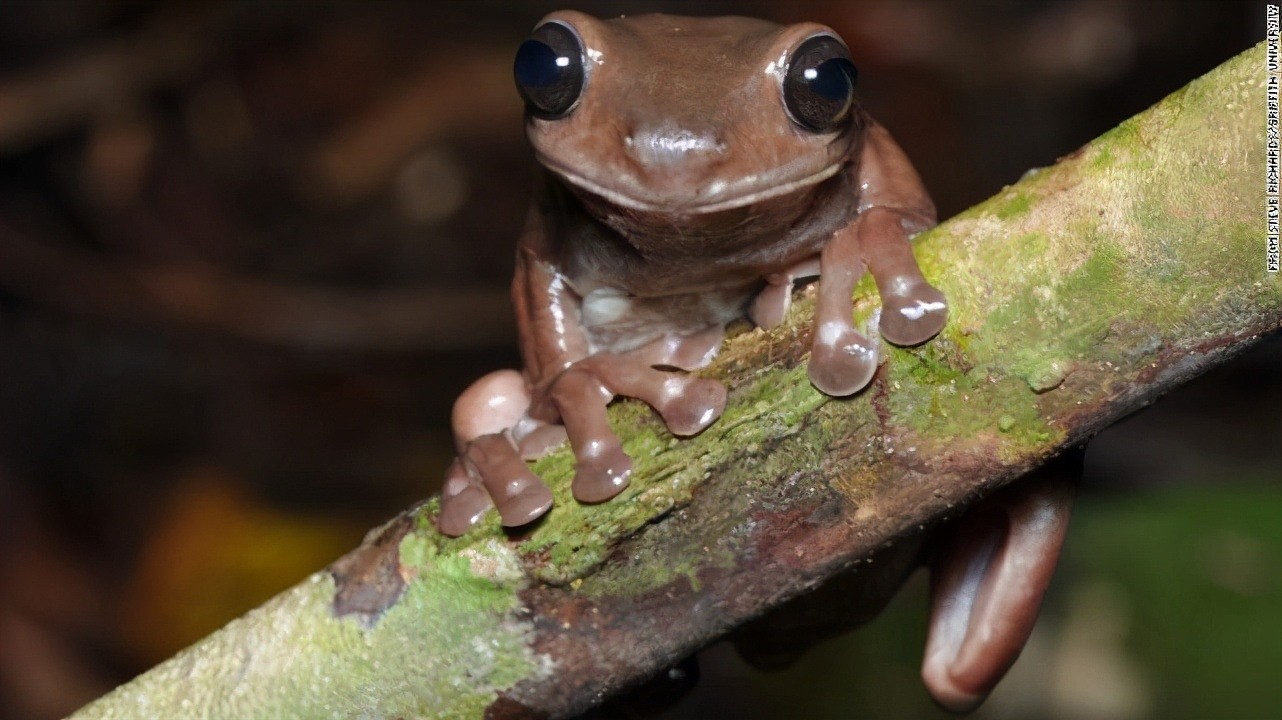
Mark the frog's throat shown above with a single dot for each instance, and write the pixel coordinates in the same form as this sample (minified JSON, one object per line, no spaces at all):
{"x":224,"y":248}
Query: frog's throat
{"x":667,"y":207}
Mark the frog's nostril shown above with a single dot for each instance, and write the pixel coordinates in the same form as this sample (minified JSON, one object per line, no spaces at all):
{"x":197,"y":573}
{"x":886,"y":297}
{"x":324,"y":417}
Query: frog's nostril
{"x":669,"y":146}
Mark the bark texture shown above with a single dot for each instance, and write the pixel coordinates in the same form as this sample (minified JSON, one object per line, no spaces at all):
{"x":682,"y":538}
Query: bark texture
{"x":1078,"y":295}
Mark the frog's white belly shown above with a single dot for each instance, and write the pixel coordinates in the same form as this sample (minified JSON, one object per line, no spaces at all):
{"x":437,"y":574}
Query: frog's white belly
{"x":618,"y":322}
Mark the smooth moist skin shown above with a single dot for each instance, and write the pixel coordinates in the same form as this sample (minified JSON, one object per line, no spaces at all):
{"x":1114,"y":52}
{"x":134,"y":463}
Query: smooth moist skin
{"x":694,"y":168}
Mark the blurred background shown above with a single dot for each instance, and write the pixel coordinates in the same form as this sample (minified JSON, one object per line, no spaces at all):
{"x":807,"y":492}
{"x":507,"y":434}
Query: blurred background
{"x":251,"y":251}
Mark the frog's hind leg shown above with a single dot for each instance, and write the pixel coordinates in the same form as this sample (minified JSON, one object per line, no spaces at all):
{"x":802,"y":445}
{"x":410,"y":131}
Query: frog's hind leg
{"x":684,"y":352}
{"x":913,"y":311}
{"x":770,"y":306}
{"x":988,"y":580}
{"x":492,"y":404}
{"x":490,"y":470}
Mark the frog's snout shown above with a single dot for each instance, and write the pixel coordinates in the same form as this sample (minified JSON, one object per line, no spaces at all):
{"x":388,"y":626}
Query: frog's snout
{"x":669,"y":146}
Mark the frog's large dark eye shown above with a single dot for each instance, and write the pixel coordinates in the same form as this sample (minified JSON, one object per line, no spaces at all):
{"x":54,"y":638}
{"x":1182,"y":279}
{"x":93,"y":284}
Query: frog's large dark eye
{"x":549,"y":70}
{"x":819,"y":87}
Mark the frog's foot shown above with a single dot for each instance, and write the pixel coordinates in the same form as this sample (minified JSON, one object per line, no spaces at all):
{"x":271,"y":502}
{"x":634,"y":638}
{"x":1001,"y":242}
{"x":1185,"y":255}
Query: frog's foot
{"x":770,"y":306}
{"x":490,"y":471}
{"x":518,"y":494}
{"x":988,"y":583}
{"x":915,"y":316}
{"x":842,"y":359}
{"x":464,"y":501}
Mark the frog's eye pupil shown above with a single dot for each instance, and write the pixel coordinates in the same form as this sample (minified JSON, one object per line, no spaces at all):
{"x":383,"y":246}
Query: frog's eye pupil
{"x":819,"y":86}
{"x":832,"y":80}
{"x":549,"y":70}
{"x":535,"y":65}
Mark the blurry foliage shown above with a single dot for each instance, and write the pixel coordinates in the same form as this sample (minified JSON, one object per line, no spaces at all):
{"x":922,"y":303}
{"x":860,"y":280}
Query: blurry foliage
{"x":1196,"y":578}
{"x":217,"y":548}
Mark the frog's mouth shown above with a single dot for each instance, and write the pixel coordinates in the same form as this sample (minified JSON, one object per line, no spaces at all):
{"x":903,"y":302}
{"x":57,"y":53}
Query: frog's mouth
{"x":689,"y":205}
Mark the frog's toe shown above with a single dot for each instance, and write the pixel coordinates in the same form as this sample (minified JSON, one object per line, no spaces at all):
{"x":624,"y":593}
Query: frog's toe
{"x":518,"y":494}
{"x":529,"y":498}
{"x":462,"y":511}
{"x":914,"y":317}
{"x":842,"y":361}
{"x":690,"y":405}
{"x":463,"y":503}
{"x":599,"y":478}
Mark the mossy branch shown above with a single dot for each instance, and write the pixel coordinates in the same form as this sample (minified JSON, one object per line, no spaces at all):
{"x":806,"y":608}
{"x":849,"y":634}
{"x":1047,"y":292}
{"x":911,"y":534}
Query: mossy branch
{"x":1078,"y":295}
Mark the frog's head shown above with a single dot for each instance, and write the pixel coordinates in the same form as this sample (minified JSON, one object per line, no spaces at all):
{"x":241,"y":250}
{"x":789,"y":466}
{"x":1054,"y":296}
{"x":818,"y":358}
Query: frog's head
{"x":676,"y":116}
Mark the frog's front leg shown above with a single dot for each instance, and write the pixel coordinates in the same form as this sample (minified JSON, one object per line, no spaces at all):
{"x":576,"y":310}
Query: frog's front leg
{"x":843,"y":359}
{"x":507,"y":416}
{"x":894,"y":205}
{"x":912,"y":310}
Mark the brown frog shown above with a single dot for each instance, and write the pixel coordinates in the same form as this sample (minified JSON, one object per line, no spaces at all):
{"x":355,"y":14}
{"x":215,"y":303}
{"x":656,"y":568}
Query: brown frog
{"x":694,"y":168}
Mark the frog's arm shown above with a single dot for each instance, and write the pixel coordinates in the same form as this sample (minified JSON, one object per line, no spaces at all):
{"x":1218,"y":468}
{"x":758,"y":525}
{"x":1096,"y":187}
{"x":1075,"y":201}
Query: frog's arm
{"x":547,"y":312}
{"x":888,"y":180}
{"x":893,"y":204}
{"x":569,"y":387}
{"x":498,"y":418}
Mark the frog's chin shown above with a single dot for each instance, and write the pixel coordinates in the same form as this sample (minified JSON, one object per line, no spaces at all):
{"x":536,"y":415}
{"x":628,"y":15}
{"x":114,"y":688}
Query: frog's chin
{"x":689,"y":205}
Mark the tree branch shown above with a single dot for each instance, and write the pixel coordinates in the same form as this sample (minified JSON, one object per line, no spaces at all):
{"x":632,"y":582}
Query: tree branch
{"x":1079,"y":295}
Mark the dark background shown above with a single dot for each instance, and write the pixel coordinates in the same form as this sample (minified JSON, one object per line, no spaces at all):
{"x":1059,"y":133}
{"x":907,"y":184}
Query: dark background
{"x":250,"y":252}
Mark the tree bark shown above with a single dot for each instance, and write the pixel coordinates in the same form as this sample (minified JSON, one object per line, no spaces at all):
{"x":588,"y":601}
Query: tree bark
{"x":1078,"y":295}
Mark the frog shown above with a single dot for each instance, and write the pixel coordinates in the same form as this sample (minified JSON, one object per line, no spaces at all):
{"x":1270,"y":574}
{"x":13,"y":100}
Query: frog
{"x":692,"y":171}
